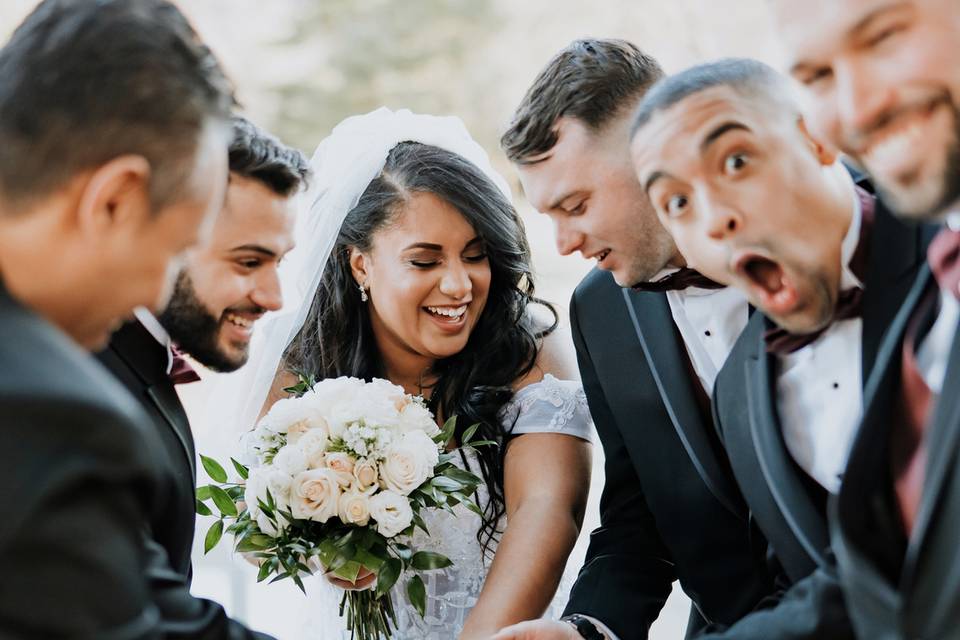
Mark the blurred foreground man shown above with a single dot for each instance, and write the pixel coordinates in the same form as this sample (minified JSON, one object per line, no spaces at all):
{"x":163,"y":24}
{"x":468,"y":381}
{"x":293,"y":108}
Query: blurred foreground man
{"x":883,"y":80}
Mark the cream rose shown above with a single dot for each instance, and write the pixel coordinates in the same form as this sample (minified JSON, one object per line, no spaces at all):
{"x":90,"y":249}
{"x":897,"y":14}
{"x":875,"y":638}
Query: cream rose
{"x":354,"y":508}
{"x":392,"y":513}
{"x":408,"y":462}
{"x":315,"y":495}
{"x":365,"y":473}
{"x":341,"y":462}
{"x":291,"y":413}
{"x":416,"y":417}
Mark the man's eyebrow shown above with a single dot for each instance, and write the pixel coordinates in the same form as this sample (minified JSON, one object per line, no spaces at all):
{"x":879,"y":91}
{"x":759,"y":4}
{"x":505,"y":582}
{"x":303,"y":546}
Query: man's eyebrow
{"x":864,"y":22}
{"x":656,"y":175}
{"x":255,"y":248}
{"x":719,"y":131}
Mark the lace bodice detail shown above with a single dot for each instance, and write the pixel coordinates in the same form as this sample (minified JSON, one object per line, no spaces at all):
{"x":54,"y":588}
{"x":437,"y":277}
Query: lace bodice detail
{"x":548,"y":406}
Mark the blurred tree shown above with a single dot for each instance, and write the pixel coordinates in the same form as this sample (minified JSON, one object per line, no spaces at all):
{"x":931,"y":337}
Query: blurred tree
{"x":362,"y":54}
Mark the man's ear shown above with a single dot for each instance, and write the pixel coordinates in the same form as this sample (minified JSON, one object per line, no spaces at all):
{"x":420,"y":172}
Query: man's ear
{"x":359,"y":266}
{"x":116,"y":194}
{"x":824,"y":152}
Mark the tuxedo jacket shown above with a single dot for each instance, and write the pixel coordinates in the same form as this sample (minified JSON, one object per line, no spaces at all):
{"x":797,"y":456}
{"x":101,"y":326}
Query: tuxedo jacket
{"x":140,"y":362}
{"x":670,"y":508}
{"x":789,"y":507}
{"x":899,"y":588}
{"x":80,"y":476}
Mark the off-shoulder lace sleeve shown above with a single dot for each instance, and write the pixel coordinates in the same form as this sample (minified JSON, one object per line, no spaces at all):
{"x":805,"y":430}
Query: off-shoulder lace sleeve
{"x":549,"y":406}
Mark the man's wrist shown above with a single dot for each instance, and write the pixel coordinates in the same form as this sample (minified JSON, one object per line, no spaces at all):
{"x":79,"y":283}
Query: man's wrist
{"x":586,"y":627}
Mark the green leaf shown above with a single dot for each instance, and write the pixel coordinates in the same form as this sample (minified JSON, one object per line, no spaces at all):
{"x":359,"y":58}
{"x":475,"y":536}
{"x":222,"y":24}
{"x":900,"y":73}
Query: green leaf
{"x":254,"y":542}
{"x":242,"y":471}
{"x":368,"y":560}
{"x":213,"y":536}
{"x":417,"y":593}
{"x":388,"y":575}
{"x":483,"y":443}
{"x":426,"y":560}
{"x":472,"y":429}
{"x":266,"y":568}
{"x":472,"y":506}
{"x":223,"y":501}
{"x":203,"y":493}
{"x":348,"y":571}
{"x":446,"y":433}
{"x":403,"y":551}
{"x":446,"y":484}
{"x":203,"y":509}
{"x":213,"y":469}
{"x":417,"y":520}
{"x":462,"y":475}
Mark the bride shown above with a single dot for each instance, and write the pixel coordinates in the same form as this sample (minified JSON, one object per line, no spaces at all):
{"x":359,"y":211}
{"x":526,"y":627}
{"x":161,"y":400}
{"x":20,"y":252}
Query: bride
{"x":415,"y":268}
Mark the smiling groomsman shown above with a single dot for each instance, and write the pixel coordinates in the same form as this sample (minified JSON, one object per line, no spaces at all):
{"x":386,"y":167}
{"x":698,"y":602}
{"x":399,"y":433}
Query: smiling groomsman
{"x":883,"y":81}
{"x":754,"y":201}
{"x":226,"y":284}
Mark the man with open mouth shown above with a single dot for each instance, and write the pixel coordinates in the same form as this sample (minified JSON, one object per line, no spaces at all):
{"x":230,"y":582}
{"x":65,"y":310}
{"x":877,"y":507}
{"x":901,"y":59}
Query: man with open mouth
{"x":226,"y":284}
{"x":755,"y":201}
{"x":883,"y":82}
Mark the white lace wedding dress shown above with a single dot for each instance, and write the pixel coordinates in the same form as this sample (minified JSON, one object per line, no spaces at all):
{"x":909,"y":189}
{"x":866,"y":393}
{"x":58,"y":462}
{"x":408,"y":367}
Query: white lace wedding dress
{"x":548,"y":406}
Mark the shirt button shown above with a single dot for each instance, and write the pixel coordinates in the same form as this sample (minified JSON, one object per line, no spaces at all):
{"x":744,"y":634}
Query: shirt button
{"x":836,"y":385}
{"x":707,"y":333}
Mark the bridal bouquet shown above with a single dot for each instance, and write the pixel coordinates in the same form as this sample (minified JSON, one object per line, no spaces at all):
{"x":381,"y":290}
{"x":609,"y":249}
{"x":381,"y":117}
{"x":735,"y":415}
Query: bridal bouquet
{"x":338,"y":476}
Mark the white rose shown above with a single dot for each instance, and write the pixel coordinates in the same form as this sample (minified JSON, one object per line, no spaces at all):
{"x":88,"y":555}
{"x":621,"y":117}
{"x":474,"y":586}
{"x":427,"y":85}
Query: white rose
{"x":313,"y":445}
{"x":252,"y":444}
{"x":408,"y":462}
{"x":342,"y":462}
{"x":416,"y":417}
{"x":354,"y":508}
{"x":293,"y":413}
{"x":365,"y":472}
{"x":291,"y":460}
{"x":392,"y":513}
{"x":255,"y":492}
{"x":315,"y":495}
{"x":266,"y":525}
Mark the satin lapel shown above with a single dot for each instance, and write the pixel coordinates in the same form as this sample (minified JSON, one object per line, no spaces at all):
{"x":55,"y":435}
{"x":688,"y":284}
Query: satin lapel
{"x":943,"y":438}
{"x":148,"y":360}
{"x":896,"y":251}
{"x":805,"y":519}
{"x":653,"y":323}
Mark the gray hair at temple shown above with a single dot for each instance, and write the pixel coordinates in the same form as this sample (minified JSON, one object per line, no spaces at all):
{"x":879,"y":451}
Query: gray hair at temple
{"x":749,"y":78}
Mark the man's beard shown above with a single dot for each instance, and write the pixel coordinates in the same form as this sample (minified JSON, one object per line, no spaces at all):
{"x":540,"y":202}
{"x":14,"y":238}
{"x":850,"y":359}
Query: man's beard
{"x":195,"y":330}
{"x":946,"y":193}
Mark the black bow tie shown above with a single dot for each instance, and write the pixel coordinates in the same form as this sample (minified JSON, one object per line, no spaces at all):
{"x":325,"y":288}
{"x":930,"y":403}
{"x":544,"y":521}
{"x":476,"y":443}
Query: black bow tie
{"x":678,"y":281}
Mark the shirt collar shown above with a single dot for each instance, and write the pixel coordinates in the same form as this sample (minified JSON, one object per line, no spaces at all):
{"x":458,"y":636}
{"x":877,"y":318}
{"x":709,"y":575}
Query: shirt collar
{"x":953,"y":220}
{"x":155,"y":329}
{"x":849,"y":245}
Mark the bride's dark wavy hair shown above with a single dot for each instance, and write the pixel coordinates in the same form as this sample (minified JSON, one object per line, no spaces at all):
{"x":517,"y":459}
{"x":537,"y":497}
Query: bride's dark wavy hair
{"x":474,"y":384}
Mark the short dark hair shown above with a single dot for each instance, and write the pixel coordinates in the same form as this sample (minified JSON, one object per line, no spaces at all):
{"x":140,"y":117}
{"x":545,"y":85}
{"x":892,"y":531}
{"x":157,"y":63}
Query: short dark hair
{"x":590,"y":80}
{"x":256,"y":154}
{"x":749,"y":77}
{"x":85,"y":81}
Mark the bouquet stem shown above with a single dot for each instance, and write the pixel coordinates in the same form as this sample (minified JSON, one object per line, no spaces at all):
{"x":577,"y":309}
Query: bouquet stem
{"x":368,"y":617}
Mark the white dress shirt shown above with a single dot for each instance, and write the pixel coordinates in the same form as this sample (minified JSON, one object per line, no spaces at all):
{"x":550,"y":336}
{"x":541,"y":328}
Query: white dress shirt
{"x":934,"y":351}
{"x":710,"y":321}
{"x":155,"y":329}
{"x":819,"y":387}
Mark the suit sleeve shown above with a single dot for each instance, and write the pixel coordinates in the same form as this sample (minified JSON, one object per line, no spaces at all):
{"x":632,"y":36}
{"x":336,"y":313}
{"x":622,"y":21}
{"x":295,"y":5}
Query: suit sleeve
{"x":70,"y":539}
{"x":809,"y":609}
{"x":183,"y":616}
{"x":628,"y":573}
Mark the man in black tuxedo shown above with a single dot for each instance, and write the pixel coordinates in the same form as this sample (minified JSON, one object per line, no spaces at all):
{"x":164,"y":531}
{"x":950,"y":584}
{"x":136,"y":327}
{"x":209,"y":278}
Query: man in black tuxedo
{"x":736,"y":177}
{"x":670,"y":508}
{"x":884,"y":85}
{"x":115,"y":125}
{"x":227,"y":283}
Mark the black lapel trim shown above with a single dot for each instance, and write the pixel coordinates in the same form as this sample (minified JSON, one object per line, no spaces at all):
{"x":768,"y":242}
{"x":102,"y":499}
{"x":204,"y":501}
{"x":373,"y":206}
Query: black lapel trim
{"x":806,"y":520}
{"x":670,"y":374}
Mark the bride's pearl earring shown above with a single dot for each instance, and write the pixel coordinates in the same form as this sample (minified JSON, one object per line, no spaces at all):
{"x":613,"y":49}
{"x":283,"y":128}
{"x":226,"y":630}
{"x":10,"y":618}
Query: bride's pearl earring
{"x":363,"y":293}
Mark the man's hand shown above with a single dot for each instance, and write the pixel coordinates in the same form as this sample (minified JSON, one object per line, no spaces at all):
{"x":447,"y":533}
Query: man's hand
{"x":538,"y":630}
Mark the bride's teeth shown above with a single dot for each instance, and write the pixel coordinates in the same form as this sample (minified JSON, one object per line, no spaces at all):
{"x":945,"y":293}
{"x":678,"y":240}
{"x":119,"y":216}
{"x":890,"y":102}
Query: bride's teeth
{"x":447,"y":311}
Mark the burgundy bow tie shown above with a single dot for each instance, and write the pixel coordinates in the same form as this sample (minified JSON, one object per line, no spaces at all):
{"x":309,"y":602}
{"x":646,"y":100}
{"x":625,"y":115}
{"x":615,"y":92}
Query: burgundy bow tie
{"x":678,"y":281}
{"x":180,"y":371}
{"x":943,"y":255}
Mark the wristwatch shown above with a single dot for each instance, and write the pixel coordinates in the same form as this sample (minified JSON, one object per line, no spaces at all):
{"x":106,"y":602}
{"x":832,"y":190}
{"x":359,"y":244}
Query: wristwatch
{"x":584,"y":627}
